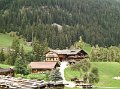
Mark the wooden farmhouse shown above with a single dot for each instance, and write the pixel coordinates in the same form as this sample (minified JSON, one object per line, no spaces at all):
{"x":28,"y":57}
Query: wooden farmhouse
{"x":66,"y":55}
{"x":42,"y":67}
{"x":7,"y":71}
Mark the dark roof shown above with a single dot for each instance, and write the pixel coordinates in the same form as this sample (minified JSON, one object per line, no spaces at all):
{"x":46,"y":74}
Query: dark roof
{"x":67,"y":52}
{"x":6,"y":69}
{"x":42,"y":65}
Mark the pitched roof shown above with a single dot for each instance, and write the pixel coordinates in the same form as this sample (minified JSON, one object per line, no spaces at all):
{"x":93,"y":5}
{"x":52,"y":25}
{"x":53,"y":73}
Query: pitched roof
{"x":68,"y":52}
{"x":6,"y":69}
{"x":52,"y":54}
{"x":42,"y":65}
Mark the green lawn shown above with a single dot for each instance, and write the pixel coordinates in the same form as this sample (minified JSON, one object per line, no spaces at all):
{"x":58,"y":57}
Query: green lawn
{"x":87,"y":48}
{"x":93,"y":88}
{"x":5,"y":66}
{"x":6,"y":41}
{"x":107,"y":70}
{"x":71,"y":73}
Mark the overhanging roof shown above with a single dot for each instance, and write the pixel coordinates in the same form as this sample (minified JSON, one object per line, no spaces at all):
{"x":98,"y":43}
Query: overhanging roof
{"x":67,"y":52}
{"x":6,"y":69}
{"x":42,"y":65}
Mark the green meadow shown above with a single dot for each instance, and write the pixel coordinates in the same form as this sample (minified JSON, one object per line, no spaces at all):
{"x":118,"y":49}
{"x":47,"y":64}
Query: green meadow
{"x":87,"y":48}
{"x":5,"y":66}
{"x":6,"y":42}
{"x":107,"y":71}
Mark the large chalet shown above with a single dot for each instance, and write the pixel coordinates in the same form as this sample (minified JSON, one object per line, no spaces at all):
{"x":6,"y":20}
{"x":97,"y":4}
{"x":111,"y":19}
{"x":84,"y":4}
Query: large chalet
{"x":66,"y":55}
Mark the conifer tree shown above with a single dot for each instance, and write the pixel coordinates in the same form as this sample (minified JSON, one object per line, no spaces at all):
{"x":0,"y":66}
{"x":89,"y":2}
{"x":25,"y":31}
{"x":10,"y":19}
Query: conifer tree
{"x":55,"y":75}
{"x":20,"y":66}
{"x":2,"y":56}
{"x":39,"y":49}
{"x":14,"y":52}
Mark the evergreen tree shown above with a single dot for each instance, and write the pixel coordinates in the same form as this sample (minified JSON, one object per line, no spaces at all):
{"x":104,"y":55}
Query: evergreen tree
{"x":20,"y":66}
{"x":22,"y":53}
{"x":105,"y":54}
{"x":31,"y":19}
{"x":39,"y":49}
{"x":55,"y":75}
{"x":15,"y":45}
{"x":14,"y":52}
{"x":2,"y":56}
{"x":93,"y":76}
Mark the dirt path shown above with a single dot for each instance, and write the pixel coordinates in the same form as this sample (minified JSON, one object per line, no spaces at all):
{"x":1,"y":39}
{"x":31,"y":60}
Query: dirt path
{"x":62,"y":68}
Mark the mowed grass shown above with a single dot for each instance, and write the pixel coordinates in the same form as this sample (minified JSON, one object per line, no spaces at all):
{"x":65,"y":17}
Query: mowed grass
{"x":87,"y":48}
{"x":71,"y":74}
{"x":107,"y":71}
{"x":93,"y":88}
{"x":6,"y":41}
{"x":5,"y":66}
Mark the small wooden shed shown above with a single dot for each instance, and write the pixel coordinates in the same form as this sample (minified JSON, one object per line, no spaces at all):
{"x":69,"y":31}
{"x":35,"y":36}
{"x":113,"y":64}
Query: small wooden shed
{"x":7,"y":71}
{"x":42,"y":67}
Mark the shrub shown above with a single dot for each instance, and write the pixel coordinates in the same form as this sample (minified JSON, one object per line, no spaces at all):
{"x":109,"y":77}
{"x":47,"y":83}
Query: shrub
{"x":37,"y":76}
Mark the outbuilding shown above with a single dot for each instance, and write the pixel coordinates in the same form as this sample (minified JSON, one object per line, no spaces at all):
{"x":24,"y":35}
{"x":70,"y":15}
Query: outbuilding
{"x":42,"y":67}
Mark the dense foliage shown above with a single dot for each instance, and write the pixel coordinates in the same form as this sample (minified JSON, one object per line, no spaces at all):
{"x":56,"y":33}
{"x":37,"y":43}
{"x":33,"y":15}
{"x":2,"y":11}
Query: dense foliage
{"x":97,"y":21}
{"x":2,"y":56}
{"x":15,"y":54}
{"x":110,"y":54}
{"x":21,"y":67}
{"x":88,"y":74}
{"x":39,"y":50}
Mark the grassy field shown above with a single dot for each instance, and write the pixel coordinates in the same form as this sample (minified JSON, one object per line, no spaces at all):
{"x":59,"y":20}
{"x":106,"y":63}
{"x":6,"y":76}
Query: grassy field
{"x":107,"y":70}
{"x":71,"y":73}
{"x":87,"y":48}
{"x":5,"y":66}
{"x":6,"y":41}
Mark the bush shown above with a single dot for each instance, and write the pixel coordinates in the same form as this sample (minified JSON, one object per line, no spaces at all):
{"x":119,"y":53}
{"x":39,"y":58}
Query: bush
{"x":19,"y":75}
{"x":37,"y":76}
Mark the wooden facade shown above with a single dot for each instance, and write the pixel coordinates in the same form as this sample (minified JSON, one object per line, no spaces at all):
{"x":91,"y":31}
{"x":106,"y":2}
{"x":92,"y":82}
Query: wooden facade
{"x":7,"y":71}
{"x":52,"y":56}
{"x":66,"y":55}
{"x":40,"y":70}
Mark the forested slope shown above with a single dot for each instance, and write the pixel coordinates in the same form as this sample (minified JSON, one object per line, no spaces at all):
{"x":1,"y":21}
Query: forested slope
{"x":97,"y":21}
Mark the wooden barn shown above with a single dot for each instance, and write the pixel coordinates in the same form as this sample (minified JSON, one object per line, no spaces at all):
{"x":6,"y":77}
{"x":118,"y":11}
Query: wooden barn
{"x":42,"y":67}
{"x":7,"y":71}
{"x":66,"y":55}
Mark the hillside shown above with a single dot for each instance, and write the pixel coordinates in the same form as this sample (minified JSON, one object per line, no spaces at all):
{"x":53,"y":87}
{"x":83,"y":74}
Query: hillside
{"x":97,"y":21}
{"x":6,"y":42}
